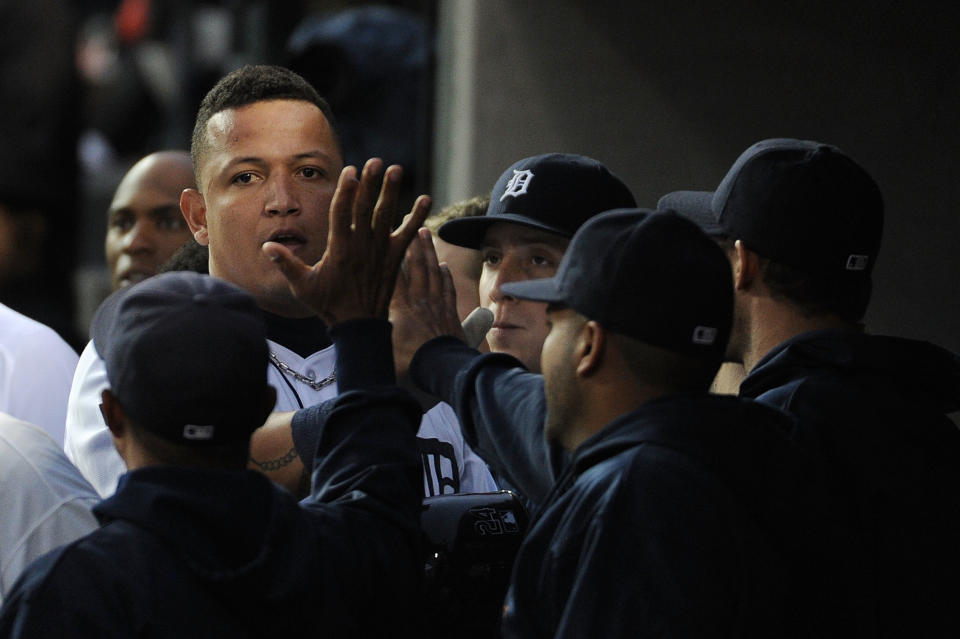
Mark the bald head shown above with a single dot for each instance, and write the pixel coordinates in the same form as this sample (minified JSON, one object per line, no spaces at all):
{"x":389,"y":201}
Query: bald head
{"x":144,"y":222}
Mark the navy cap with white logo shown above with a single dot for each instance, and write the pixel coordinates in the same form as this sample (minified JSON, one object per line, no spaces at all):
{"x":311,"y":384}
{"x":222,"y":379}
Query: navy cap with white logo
{"x":555,"y":192}
{"x":186,"y":356}
{"x":654,"y":277}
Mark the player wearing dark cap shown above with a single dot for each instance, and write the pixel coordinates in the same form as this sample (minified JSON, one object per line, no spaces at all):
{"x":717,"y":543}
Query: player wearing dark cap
{"x":194,"y":545}
{"x":535,"y":207}
{"x":802,"y":223}
{"x":680,"y":513}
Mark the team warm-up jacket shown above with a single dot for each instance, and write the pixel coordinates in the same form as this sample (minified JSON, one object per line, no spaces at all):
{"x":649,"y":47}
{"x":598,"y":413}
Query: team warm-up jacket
{"x":691,"y":516}
{"x":211,"y":553}
{"x":871,"y":410}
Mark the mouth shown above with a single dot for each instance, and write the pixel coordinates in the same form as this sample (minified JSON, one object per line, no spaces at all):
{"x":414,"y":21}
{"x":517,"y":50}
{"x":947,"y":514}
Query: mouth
{"x":290,"y":238}
{"x":134,"y":276}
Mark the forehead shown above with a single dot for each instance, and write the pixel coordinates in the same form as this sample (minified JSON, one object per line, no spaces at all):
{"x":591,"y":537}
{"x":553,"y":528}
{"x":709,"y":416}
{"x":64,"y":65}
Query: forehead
{"x":152,"y":183}
{"x":503,"y":235}
{"x":270,"y":127}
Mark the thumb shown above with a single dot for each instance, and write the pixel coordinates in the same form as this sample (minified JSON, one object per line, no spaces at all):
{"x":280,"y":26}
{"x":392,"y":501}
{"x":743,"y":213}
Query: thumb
{"x":476,"y":325}
{"x":292,"y":267}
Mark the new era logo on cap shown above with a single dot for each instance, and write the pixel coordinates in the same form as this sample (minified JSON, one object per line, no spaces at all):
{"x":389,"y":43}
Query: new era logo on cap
{"x":858,"y":262}
{"x":518,"y":184}
{"x":192,"y":431}
{"x":705,"y":335}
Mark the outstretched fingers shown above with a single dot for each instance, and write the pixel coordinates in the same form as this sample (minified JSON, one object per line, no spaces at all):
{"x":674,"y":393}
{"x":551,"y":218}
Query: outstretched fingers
{"x":341,"y":207}
{"x":384,"y":211}
{"x":369,"y":196}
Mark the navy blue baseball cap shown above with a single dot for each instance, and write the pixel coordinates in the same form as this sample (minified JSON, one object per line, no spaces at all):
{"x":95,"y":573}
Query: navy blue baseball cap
{"x":694,"y":205}
{"x":802,"y":203}
{"x":556,"y":192}
{"x":186,"y":356}
{"x":654,"y":277}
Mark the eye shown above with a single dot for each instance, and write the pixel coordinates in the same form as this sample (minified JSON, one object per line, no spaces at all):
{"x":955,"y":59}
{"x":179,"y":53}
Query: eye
{"x":540,"y":260}
{"x":171,"y":223}
{"x":311,"y":172}
{"x":491,"y":258}
{"x":122,"y":222}
{"x":243,"y":178}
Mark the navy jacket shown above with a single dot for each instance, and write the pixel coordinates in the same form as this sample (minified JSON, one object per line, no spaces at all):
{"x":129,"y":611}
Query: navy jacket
{"x":872,"y":409}
{"x":501,"y":408}
{"x":692,"y":516}
{"x":220,"y":553}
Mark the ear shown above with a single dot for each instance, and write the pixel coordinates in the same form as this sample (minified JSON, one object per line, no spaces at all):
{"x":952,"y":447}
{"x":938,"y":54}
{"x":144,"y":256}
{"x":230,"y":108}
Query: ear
{"x":194,"y":210}
{"x":589,"y":348}
{"x":116,"y":421}
{"x":746,"y":266}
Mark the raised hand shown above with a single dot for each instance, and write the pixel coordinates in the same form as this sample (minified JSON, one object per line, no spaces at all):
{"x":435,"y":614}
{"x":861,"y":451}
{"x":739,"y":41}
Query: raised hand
{"x":424,"y":303}
{"x":356,"y":275}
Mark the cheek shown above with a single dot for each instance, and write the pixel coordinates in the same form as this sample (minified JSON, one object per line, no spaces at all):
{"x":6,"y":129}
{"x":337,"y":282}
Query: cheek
{"x":485,"y":286}
{"x":111,"y":247}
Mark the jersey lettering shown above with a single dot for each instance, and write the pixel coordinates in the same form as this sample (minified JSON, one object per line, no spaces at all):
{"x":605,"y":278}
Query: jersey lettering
{"x":441,"y":476}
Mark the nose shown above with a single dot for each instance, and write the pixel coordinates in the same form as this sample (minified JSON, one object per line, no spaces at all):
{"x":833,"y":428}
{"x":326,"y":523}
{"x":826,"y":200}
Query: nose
{"x":282,"y":197}
{"x":507,"y":271}
{"x":140,"y":239}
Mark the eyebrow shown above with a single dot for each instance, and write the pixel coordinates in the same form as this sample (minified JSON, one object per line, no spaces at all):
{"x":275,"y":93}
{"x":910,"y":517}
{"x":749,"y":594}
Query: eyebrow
{"x":252,"y":159}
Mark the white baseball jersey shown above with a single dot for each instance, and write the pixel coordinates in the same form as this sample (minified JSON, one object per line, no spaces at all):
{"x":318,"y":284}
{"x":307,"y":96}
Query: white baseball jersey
{"x":449,"y":464}
{"x":44,"y":501}
{"x":36,"y":367}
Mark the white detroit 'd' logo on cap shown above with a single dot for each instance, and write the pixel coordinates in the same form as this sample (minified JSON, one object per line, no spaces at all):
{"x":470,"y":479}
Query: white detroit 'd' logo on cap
{"x":518,"y":184}
{"x":192,"y":431}
{"x":705,"y":335}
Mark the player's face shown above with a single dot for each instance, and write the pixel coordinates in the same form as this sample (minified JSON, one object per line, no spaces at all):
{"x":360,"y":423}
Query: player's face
{"x":513,"y":253}
{"x":465,"y":267}
{"x":559,"y":376}
{"x":269,"y":173}
{"x":144,"y":223}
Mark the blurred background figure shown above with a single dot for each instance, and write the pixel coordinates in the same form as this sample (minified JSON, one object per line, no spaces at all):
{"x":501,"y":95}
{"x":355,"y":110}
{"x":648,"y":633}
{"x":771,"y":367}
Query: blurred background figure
{"x":38,"y":170}
{"x":144,"y":224}
{"x":371,"y":65}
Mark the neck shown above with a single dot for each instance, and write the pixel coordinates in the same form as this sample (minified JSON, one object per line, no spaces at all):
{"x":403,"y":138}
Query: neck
{"x":771,"y":322}
{"x":302,"y":336}
{"x":607,"y":400}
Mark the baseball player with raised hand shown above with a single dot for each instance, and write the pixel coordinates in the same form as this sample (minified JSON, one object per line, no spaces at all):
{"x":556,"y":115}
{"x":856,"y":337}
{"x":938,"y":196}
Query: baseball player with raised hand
{"x":268,"y":163}
{"x":193,"y":544}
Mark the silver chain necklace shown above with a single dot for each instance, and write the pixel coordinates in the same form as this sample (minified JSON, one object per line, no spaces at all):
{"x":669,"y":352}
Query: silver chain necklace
{"x":315,"y":384}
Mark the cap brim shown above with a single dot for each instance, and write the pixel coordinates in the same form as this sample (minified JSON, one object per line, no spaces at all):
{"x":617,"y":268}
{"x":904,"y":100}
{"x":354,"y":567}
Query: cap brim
{"x":695,"y":206}
{"x":469,"y":232}
{"x":542,"y":290}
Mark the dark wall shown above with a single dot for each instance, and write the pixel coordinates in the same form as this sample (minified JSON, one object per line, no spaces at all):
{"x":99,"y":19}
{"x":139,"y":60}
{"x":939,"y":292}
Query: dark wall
{"x":668,"y":96}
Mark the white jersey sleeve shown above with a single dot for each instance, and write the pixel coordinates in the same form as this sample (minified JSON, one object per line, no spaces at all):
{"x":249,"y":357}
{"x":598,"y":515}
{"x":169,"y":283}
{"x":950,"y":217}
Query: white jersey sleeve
{"x":44,"y":501}
{"x":87,"y":440}
{"x":36,"y":367}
